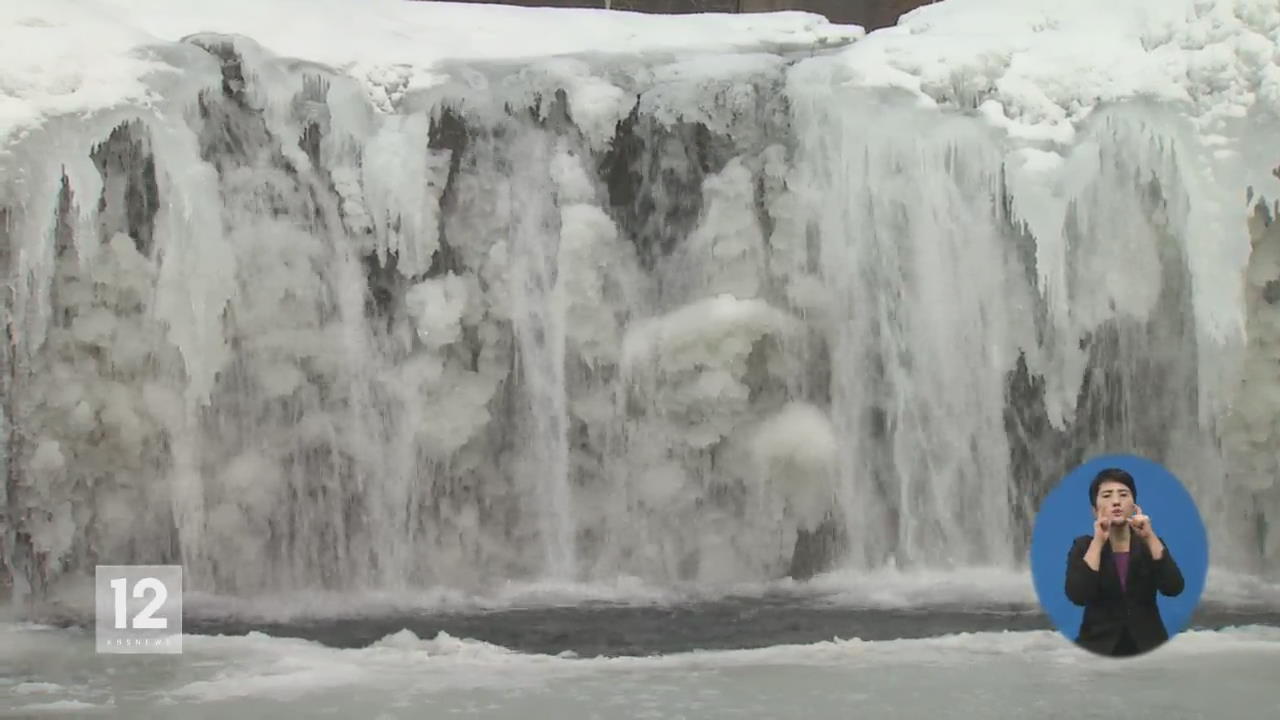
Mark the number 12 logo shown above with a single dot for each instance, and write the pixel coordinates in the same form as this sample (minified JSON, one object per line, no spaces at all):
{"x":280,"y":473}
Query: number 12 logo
{"x":144,"y":619}
{"x":138,"y":608}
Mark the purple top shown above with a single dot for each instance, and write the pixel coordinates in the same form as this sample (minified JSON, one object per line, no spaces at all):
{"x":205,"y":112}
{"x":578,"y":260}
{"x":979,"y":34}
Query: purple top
{"x":1122,"y":566}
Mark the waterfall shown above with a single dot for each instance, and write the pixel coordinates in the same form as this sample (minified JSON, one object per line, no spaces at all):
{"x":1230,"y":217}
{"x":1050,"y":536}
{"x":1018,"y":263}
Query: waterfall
{"x":538,"y":320}
{"x":683,"y":320}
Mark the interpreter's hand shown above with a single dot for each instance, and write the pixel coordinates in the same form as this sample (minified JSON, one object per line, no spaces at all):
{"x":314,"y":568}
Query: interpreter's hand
{"x":1101,"y":524}
{"x":1141,"y":524}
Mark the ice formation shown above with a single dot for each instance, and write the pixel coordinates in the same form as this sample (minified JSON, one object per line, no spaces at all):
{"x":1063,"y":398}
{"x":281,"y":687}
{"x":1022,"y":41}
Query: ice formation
{"x":309,"y":302}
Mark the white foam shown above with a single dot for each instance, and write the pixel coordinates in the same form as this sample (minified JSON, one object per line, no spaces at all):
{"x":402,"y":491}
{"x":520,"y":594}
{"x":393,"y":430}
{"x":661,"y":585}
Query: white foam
{"x":1239,"y":589}
{"x":35,"y":688}
{"x":890,"y":588}
{"x":294,"y":606}
{"x":887,"y":589}
{"x":64,"y":706}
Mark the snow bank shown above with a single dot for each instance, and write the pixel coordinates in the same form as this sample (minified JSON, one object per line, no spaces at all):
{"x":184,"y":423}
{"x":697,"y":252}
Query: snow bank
{"x":1039,"y":68}
{"x":76,"y":56}
{"x":1036,"y":67}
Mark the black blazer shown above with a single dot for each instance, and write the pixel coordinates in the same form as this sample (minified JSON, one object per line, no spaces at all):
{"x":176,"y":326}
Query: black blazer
{"x":1108,"y":611}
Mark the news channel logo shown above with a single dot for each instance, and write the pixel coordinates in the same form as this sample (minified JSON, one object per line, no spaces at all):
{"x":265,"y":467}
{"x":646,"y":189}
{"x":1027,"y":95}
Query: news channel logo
{"x":138,"y":609}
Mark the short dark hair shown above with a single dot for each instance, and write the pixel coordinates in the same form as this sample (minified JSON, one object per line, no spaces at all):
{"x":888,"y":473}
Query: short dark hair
{"x":1112,"y":475}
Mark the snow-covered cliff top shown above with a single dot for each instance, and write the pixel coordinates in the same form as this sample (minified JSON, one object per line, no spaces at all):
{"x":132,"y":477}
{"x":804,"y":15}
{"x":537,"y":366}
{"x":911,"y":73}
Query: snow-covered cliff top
{"x":70,"y":56}
{"x":1037,"y":66}
{"x":1034,"y":67}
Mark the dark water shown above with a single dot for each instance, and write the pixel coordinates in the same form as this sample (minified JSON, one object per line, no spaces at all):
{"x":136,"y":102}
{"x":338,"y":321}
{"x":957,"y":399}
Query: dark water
{"x":734,"y":623}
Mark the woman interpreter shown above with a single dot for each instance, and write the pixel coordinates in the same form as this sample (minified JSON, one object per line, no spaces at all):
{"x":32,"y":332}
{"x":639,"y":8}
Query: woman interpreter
{"x":1116,"y":573}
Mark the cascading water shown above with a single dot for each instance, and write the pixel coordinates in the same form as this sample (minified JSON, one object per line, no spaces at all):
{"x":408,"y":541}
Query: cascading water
{"x":681,"y":326}
{"x":538,"y":319}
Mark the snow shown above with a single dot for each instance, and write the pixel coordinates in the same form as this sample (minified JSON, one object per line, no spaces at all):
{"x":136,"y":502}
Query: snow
{"x":1045,"y":65}
{"x":61,"y":57}
{"x":1036,"y":67}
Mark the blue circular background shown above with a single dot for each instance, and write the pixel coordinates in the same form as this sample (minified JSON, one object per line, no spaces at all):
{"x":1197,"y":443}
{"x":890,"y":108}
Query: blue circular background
{"x":1066,"y":514}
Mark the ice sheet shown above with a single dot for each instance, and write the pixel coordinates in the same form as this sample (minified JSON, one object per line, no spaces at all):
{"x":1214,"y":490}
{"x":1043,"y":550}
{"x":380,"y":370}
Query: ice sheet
{"x":403,"y":675}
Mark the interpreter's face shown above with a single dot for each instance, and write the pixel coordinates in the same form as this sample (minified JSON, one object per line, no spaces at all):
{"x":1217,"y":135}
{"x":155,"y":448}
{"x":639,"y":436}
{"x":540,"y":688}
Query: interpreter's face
{"x":1114,"y":500}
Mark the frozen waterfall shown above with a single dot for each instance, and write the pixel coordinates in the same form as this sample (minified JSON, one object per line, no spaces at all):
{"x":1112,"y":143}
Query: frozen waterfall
{"x":687,"y":320}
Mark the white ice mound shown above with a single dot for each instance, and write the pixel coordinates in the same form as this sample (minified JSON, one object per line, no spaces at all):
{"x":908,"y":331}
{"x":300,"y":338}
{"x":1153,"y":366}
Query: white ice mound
{"x":694,"y":362}
{"x":714,"y":332}
{"x":437,"y":307}
{"x":795,"y":450}
{"x":443,"y":644}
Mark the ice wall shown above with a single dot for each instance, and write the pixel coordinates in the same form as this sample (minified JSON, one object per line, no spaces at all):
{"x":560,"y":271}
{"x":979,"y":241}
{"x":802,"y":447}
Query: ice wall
{"x":1251,"y":425}
{"x":700,"y":320}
